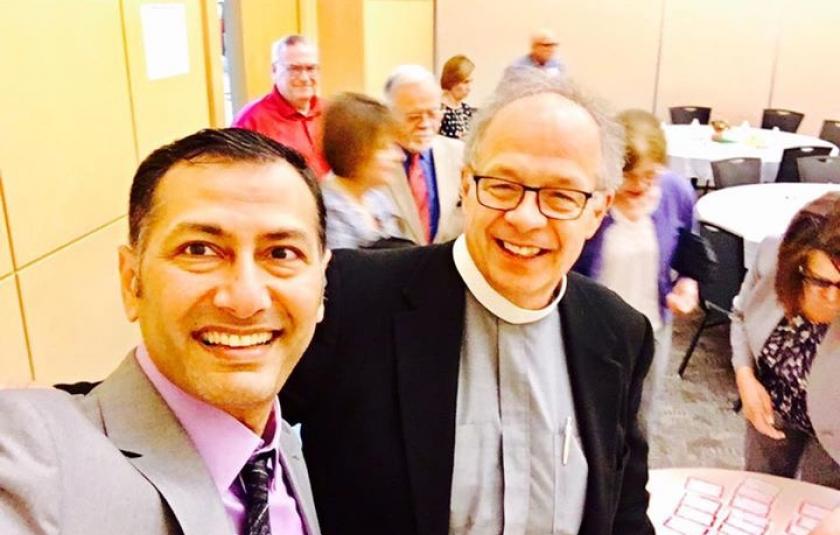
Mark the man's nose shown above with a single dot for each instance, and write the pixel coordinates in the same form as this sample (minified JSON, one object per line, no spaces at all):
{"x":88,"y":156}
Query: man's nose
{"x":244,"y":292}
{"x":527,"y":216}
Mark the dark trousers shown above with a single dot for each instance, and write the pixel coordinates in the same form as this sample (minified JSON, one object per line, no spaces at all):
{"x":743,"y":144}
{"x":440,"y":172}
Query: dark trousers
{"x":798,"y":453}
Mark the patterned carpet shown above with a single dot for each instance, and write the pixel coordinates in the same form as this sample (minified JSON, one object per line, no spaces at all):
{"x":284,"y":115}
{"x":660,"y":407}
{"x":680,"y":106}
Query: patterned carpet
{"x":696,"y":425}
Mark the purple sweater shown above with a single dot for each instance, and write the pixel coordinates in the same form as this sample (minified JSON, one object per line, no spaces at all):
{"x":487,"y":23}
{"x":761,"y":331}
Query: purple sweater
{"x":675,"y":212}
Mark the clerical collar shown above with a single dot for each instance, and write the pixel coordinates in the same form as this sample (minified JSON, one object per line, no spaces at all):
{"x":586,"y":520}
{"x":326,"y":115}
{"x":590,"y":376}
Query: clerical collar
{"x":492,"y":300}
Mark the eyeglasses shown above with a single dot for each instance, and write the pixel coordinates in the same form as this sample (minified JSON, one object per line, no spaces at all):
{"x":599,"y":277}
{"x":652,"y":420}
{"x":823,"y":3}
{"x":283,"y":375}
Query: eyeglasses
{"x":553,"y":203}
{"x":299,"y":69}
{"x":417,"y":117}
{"x":817,"y":282}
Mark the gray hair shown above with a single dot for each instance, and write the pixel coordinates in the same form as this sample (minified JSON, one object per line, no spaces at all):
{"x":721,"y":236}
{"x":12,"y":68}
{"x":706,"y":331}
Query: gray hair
{"x":405,"y":75}
{"x":522,"y":82}
{"x":279,"y":46}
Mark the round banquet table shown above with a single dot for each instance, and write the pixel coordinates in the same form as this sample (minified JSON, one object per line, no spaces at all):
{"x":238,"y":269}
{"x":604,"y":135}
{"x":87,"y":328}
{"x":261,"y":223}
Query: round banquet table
{"x":756,"y":211}
{"x":691,"y":149}
{"x":792,"y":507}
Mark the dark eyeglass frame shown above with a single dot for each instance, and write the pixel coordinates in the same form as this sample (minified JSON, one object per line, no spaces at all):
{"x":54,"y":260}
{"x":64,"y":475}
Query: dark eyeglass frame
{"x":819,"y":282}
{"x":586,"y":196}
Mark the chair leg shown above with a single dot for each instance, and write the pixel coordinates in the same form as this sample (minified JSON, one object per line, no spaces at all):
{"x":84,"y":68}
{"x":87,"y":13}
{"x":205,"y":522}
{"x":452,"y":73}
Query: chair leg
{"x":693,"y":344}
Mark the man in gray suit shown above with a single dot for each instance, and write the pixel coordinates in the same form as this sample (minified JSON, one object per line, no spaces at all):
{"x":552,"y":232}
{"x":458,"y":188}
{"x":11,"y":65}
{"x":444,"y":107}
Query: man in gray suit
{"x":426,"y":191}
{"x":225,"y":275}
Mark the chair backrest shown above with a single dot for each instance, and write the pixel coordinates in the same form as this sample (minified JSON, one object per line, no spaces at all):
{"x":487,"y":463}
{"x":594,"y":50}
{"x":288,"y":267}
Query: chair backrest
{"x":785,"y":120}
{"x":718,"y":293}
{"x":736,"y":172}
{"x":819,"y":169}
{"x":686,"y":114}
{"x":831,"y":131}
{"x":788,"y":170}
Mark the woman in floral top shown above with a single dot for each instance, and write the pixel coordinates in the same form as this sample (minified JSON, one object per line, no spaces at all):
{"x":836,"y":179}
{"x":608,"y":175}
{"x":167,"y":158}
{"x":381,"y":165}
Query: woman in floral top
{"x":455,"y":80}
{"x":786,"y":348}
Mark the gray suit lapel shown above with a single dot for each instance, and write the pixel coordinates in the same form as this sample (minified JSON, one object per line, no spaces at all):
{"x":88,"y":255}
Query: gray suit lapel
{"x":823,"y":396}
{"x":448,"y":189}
{"x":138,"y":422}
{"x":297,"y":478}
{"x":400,"y":193}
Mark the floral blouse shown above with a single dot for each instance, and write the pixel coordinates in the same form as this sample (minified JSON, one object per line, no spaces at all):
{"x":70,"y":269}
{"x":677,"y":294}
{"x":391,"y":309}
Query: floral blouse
{"x":784,"y":364}
{"x":456,"y":121}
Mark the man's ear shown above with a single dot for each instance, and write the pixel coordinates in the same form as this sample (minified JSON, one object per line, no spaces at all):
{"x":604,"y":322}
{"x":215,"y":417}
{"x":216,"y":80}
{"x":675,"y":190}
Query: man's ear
{"x":600,"y":205}
{"x":129,"y":281}
{"x":466,"y":180}
{"x":326,"y":262}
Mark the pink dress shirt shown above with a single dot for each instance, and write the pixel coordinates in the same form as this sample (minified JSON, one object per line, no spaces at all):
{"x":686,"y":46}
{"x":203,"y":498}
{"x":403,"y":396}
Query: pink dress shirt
{"x":226,"y":445}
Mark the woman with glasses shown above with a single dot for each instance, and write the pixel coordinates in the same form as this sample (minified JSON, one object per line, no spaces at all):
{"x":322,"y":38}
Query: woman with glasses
{"x":786,"y":348}
{"x":359,"y":143}
{"x":634,"y":250}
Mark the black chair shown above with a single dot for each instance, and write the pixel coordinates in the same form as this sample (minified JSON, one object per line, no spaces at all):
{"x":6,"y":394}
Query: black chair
{"x":686,"y":114}
{"x":736,"y":172}
{"x":785,"y":120}
{"x":717,"y":294}
{"x":831,"y":131}
{"x":825,"y":169}
{"x":788,"y":170}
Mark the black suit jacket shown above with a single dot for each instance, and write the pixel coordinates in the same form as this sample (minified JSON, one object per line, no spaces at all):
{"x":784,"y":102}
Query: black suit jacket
{"x":376,"y":394}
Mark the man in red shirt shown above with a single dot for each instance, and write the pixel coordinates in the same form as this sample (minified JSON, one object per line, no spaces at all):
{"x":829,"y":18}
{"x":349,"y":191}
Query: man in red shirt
{"x":291,"y":112}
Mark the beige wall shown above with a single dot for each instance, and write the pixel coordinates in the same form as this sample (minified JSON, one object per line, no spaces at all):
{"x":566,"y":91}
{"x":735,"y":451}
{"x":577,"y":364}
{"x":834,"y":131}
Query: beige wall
{"x":737,"y":57}
{"x":807,"y":78}
{"x":396,"y":32}
{"x":718,"y":53}
{"x":610,"y":45}
{"x":14,"y":357}
{"x":79,"y":125}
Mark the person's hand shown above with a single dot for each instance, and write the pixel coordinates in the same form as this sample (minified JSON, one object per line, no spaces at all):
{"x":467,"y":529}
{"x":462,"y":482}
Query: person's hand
{"x":830,"y":524}
{"x":757,"y":406}
{"x":683,"y":298}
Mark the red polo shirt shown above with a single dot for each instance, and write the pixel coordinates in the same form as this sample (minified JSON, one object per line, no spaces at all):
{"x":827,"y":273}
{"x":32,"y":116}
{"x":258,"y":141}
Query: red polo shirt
{"x":273,"y":116}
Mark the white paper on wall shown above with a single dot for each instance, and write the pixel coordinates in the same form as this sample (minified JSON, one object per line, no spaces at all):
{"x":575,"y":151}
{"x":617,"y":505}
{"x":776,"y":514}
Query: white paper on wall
{"x":165,"y":40}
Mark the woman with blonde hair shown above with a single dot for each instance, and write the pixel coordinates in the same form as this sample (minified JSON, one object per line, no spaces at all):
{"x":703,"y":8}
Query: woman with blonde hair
{"x":359,"y":142}
{"x":456,"y":82}
{"x":785,"y":348}
{"x":638,"y":246}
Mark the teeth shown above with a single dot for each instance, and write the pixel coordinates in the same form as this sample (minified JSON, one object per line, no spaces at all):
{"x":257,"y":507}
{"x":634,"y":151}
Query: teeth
{"x":215,"y":338}
{"x":521,"y":250}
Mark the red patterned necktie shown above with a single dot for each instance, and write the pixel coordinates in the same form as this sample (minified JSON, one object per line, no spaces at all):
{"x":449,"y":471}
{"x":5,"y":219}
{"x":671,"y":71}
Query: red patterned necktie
{"x":420,"y":192}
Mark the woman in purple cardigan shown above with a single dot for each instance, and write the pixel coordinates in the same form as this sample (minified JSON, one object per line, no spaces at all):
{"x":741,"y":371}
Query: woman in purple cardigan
{"x":633,"y":250}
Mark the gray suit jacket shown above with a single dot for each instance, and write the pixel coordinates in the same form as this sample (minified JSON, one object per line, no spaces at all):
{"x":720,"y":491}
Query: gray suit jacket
{"x":756,"y":312}
{"x":448,"y":157}
{"x":114,"y":461}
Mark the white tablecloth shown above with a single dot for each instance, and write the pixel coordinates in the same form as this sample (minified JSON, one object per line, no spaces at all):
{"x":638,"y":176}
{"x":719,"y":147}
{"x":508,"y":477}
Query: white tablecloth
{"x":758,"y":210}
{"x":691,"y":149}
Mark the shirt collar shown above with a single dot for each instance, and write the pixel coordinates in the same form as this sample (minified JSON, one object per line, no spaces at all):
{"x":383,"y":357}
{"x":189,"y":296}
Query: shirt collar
{"x":492,"y":300}
{"x":285,"y":108}
{"x":223,"y":443}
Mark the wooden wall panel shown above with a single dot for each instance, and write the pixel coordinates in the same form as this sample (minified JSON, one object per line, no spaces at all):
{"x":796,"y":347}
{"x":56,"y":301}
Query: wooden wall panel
{"x":720,"y":54}
{"x":6,"y":266}
{"x":251,"y":27}
{"x":807,"y":78}
{"x":167,"y":108}
{"x":66,"y":142}
{"x":14,"y":359}
{"x":72,"y":304}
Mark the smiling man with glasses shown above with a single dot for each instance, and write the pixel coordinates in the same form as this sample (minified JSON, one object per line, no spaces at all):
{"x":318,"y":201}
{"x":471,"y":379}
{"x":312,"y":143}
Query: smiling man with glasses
{"x":478,"y":386}
{"x":291,"y":112}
